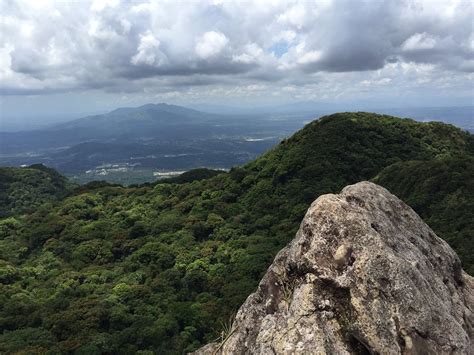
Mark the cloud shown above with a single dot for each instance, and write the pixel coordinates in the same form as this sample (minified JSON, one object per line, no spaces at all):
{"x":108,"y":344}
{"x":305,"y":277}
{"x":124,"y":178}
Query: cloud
{"x":310,"y":57}
{"x":251,"y":54}
{"x":296,"y":16}
{"x":117,"y":46}
{"x":419,"y":41}
{"x":100,"y":5}
{"x":210,"y":44}
{"x":148,"y":51}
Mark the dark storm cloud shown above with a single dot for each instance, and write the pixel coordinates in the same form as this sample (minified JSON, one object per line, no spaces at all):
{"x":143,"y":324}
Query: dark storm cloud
{"x":366,"y":35}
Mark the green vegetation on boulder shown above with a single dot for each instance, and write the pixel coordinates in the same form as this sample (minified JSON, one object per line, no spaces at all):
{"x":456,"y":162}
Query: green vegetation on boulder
{"x":120,"y":270}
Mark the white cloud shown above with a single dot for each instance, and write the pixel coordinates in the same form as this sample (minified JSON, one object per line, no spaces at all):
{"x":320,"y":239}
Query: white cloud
{"x":295,"y":16}
{"x":377,"y":82}
{"x":419,"y":41}
{"x":26,"y":29}
{"x":252,"y":53}
{"x":210,"y":44}
{"x":148,"y":51}
{"x":100,"y":5}
{"x":126,"y":26}
{"x":6,"y":60}
{"x":287,"y":36}
{"x":310,"y":57}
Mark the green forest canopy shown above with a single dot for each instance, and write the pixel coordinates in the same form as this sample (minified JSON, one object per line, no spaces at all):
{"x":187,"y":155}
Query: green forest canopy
{"x":23,"y":190}
{"x":158,"y":268}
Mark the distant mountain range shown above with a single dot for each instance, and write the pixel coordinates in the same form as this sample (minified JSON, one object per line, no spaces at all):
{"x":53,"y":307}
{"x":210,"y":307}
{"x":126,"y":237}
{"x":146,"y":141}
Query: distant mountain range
{"x":169,"y":137}
{"x":152,"y":136}
{"x":148,"y":121}
{"x":151,"y":121}
{"x":150,"y":116}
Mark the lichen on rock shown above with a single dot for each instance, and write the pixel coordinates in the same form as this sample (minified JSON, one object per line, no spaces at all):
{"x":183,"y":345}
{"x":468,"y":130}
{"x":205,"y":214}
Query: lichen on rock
{"x":364,"y":275}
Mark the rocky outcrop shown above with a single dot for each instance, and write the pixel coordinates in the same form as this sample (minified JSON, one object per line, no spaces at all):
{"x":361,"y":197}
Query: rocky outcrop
{"x":364,"y":275}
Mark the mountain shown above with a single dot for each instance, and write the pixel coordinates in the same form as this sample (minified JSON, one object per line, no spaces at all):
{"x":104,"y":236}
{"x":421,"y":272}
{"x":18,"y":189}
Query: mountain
{"x":143,"y":140}
{"x":151,"y":116}
{"x":160,"y":120}
{"x":148,"y":122}
{"x":160,"y":267}
{"x":130,"y":145}
{"x":364,"y":275}
{"x":23,"y":190}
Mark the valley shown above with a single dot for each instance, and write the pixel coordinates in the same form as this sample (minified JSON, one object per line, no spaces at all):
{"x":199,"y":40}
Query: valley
{"x":128,"y":146}
{"x":137,"y":161}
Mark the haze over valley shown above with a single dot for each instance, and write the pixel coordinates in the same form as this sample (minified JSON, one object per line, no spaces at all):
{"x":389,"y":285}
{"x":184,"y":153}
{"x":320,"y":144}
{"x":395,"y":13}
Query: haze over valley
{"x":153,"y":141}
{"x":140,"y":144}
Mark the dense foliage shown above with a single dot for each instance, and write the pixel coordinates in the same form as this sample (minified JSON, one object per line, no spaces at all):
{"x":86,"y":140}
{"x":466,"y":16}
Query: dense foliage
{"x":23,"y":190}
{"x":159,"y":268}
{"x":442,"y":192}
{"x":193,"y":175}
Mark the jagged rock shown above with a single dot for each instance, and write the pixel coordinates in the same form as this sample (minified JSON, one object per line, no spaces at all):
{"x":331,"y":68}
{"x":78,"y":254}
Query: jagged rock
{"x":364,"y":275}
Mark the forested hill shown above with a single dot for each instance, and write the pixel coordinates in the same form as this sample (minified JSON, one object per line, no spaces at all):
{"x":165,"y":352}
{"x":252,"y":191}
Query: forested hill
{"x":161,"y":268}
{"x":441,"y":191}
{"x":24,"y":189}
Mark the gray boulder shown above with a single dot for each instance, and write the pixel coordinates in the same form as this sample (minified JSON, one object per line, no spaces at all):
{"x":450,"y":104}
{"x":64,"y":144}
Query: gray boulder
{"x":364,"y":275}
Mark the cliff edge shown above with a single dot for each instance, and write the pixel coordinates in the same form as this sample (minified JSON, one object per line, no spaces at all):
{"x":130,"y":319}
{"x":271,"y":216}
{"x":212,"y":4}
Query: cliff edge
{"x":364,"y":275}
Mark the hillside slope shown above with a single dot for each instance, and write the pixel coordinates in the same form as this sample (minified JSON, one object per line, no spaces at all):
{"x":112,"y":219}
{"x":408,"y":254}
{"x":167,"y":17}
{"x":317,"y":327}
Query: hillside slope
{"x":441,"y":192}
{"x":24,"y":189}
{"x":160,"y":267}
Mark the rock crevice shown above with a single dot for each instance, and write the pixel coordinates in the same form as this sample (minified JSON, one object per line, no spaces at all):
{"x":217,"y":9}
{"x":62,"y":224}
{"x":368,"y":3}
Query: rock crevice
{"x":364,"y":275}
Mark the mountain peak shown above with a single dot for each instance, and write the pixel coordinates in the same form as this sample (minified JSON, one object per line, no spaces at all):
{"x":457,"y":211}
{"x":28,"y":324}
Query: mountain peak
{"x":364,"y":274}
{"x":149,"y":106}
{"x":155,"y":106}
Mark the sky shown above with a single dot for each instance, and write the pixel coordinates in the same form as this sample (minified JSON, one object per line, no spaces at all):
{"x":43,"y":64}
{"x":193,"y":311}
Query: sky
{"x":64,"y":58}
